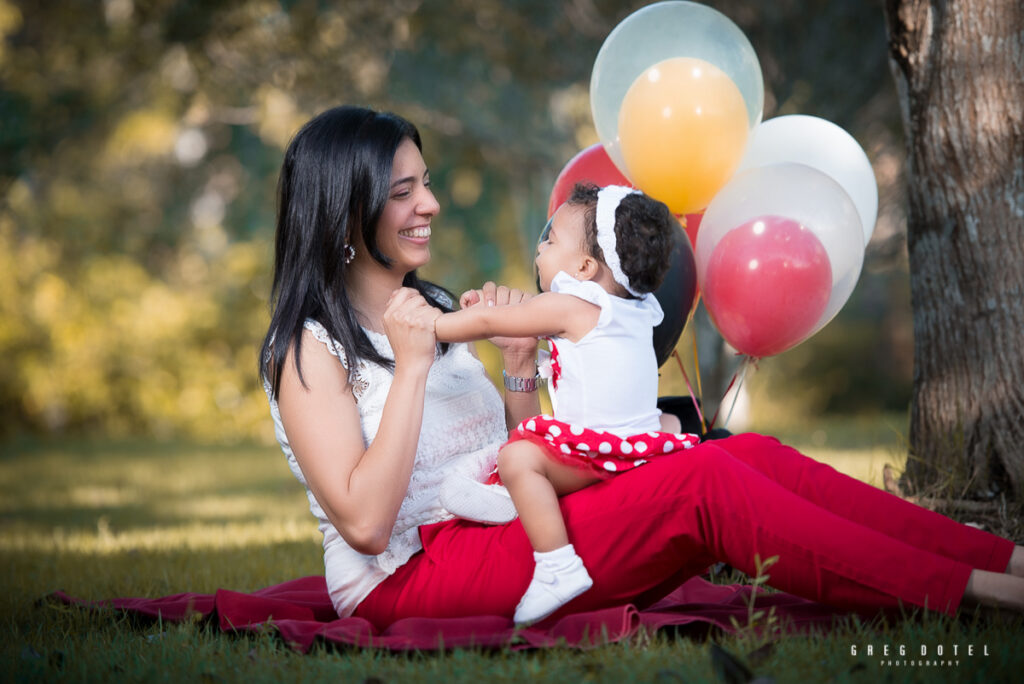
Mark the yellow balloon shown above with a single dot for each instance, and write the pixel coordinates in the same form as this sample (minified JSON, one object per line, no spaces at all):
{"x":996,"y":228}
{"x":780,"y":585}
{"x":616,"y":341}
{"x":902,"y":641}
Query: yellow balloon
{"x":682,"y":129}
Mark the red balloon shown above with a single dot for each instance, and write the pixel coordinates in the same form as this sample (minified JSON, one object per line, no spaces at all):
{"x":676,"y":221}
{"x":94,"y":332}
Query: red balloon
{"x":592,"y":165}
{"x":767,"y":284}
{"x":691,"y":223}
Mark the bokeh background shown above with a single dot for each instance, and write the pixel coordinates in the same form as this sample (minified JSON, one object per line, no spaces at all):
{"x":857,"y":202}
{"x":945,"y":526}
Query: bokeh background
{"x":139,"y":147}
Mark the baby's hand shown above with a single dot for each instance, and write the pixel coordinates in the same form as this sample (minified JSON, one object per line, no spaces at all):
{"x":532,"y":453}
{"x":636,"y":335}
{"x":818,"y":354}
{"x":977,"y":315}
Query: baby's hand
{"x":493,"y":295}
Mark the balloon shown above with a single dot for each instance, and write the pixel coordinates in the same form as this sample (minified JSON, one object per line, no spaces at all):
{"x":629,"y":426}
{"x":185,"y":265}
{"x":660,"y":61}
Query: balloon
{"x":682,"y":131}
{"x":658,"y":32}
{"x":802,"y":194}
{"x":675,"y":295}
{"x":593,"y":165}
{"x":822,"y":145}
{"x":767,"y":283}
{"x":590,"y":165}
{"x":691,"y":224}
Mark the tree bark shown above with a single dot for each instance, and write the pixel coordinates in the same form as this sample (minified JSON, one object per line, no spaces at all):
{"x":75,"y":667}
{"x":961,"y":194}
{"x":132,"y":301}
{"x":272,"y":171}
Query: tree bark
{"x":959,"y":70}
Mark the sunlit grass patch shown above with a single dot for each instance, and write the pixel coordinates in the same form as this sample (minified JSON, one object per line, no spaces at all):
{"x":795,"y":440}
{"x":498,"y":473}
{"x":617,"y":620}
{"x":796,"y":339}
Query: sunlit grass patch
{"x":142,"y":518}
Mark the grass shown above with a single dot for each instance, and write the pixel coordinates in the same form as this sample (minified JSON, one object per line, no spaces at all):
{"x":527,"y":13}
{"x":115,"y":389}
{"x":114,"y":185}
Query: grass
{"x":100,"y":519}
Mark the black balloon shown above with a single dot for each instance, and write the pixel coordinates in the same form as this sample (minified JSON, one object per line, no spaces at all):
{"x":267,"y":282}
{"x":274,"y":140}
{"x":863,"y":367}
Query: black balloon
{"x":675,"y":295}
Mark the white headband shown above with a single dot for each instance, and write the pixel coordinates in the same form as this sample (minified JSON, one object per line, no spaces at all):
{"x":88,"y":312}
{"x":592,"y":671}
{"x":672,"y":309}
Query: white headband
{"x":608,"y":199}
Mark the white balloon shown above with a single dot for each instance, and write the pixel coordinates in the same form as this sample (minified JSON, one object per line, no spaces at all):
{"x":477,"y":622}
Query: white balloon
{"x":824,"y":146}
{"x":798,"y":192}
{"x":660,"y":31}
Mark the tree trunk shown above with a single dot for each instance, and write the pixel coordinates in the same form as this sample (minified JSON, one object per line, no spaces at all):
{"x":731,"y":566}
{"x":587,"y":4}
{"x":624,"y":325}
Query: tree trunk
{"x":959,"y":69}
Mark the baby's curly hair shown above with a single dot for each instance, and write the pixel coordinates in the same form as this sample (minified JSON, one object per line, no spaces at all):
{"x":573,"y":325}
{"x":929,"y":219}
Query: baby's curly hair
{"x":644,"y":235}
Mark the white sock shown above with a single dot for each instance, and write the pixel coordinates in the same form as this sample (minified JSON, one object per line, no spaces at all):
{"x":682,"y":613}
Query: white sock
{"x":557,"y":558}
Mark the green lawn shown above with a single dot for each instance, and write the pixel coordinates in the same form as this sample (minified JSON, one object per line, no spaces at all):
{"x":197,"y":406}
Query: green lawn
{"x":100,"y":519}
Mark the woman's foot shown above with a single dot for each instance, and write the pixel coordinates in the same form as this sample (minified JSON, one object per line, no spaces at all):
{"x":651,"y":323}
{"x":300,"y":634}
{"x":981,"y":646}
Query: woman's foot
{"x":996,"y":590}
{"x":472,"y":500}
{"x":1016,"y":566}
{"x":558,"y":578}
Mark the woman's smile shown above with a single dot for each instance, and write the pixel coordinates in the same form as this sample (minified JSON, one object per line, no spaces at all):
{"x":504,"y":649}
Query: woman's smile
{"x":419,"y":235}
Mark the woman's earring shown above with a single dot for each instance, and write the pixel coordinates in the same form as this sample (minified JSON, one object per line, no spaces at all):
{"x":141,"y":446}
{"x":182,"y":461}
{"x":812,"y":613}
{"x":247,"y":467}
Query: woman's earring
{"x":349,"y":253}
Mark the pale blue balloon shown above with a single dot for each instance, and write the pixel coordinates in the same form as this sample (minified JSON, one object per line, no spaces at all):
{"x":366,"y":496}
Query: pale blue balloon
{"x":659,"y":32}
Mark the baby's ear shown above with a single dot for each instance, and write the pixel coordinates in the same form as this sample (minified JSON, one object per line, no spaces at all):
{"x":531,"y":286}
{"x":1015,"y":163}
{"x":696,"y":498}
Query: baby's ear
{"x":588,"y":269}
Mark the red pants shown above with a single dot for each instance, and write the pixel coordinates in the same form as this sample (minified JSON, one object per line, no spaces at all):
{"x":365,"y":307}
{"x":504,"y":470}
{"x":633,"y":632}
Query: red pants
{"x":644,"y":532}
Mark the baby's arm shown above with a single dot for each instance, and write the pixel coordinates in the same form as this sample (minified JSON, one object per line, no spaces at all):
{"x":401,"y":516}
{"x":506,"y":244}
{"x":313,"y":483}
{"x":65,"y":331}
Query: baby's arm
{"x":546,"y":314}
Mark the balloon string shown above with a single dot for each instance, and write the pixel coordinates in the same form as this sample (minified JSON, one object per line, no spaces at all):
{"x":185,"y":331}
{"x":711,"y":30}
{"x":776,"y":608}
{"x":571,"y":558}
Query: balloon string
{"x":746,"y":364}
{"x":696,"y":355}
{"x":693,"y":398}
{"x":696,"y":369}
{"x":731,"y":383}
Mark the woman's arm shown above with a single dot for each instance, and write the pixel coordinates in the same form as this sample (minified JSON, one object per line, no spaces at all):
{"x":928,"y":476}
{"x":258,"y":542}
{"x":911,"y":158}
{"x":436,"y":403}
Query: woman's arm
{"x":520,"y":362}
{"x":360,"y":489}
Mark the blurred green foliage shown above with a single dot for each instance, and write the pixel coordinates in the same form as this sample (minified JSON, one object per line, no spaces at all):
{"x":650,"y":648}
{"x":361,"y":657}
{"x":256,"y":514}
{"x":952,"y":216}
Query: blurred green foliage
{"x":140,"y":142}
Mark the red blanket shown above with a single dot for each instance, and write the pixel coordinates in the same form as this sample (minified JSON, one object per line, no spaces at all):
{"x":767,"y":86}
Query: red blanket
{"x":301,"y":612}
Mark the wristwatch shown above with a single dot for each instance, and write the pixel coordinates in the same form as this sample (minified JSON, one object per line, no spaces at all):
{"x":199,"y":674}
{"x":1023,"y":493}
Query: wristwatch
{"x":517,"y":384}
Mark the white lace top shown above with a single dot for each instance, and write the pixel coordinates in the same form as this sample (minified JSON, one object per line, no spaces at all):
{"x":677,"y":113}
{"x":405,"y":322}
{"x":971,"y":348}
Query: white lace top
{"x":463,"y":427}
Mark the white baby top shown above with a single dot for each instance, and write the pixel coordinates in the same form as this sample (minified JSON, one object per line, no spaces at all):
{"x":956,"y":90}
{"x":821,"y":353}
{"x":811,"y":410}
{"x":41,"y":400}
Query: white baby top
{"x":608,"y":380}
{"x":463,"y":428}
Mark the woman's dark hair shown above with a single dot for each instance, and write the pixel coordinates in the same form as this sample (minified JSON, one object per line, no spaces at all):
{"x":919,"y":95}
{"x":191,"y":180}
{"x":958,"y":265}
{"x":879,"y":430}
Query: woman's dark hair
{"x":335,"y":180}
{"x":644,"y":235}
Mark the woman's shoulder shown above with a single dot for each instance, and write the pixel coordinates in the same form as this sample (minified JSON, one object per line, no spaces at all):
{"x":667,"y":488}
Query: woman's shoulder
{"x":316,"y":366}
{"x":313,"y":329}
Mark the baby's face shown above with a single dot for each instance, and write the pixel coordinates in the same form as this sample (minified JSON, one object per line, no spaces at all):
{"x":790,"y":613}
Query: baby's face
{"x":564,"y":248}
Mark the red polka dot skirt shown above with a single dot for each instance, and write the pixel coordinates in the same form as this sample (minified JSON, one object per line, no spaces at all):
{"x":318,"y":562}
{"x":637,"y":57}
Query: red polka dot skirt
{"x":602,"y":452}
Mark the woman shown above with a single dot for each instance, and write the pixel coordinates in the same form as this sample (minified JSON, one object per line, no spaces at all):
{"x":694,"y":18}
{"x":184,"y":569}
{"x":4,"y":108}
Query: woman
{"x":372,"y":414}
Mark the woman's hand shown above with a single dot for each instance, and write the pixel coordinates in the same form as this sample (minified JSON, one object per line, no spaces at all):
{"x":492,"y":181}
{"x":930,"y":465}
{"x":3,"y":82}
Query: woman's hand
{"x":519,"y":354}
{"x":409,"y":325}
{"x":499,"y":295}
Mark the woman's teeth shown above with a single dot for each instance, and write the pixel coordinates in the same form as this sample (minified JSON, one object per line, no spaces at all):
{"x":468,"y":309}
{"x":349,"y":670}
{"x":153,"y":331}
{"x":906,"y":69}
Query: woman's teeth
{"x":415,"y":232}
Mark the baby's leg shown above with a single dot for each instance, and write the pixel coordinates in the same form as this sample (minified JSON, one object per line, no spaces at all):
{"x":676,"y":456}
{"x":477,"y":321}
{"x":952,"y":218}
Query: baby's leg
{"x":535,"y":482}
{"x":670,"y":423}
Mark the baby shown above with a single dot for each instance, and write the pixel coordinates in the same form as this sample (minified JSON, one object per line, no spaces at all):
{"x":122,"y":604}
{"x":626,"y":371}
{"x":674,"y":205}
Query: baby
{"x":607,"y":251}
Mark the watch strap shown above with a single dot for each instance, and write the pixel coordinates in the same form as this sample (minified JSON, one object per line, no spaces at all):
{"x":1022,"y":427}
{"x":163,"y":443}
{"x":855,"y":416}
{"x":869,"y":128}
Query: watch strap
{"x":517,"y":384}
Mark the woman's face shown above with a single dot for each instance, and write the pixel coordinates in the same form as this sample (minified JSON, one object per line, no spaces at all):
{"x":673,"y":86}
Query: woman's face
{"x":563,"y":249}
{"x":403,"y":231}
